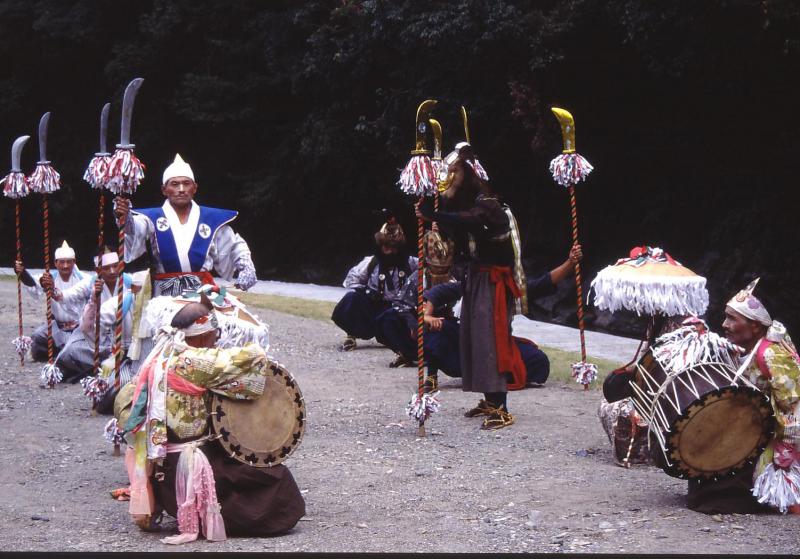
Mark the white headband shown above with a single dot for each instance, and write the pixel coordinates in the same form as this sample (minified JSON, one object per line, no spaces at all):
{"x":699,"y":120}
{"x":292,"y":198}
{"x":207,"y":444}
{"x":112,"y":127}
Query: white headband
{"x":204,"y":324}
{"x":107,"y":258}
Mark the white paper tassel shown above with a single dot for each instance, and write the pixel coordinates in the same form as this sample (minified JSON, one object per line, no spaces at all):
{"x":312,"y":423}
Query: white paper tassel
{"x":97,"y":171}
{"x":670,"y":295}
{"x":125,"y":172}
{"x":777,"y":487}
{"x":584,"y":373}
{"x":422,"y":408}
{"x":235,"y":332}
{"x":51,"y":375}
{"x":112,"y":432}
{"x":569,"y":169}
{"x":15,"y":185}
{"x":44,"y":179}
{"x":94,"y":387}
{"x":689,"y":345}
{"x":22,"y":344}
{"x":419,"y":177}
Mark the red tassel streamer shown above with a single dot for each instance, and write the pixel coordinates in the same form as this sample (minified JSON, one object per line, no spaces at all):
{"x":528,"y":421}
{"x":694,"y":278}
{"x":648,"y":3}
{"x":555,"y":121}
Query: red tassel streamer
{"x":125,"y":172}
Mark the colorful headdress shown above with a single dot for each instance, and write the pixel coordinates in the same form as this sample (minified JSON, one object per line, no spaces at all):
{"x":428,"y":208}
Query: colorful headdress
{"x":749,"y":306}
{"x":391,"y":234}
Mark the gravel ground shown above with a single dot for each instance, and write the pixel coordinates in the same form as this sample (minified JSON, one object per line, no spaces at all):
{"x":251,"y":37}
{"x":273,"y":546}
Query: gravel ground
{"x":546,"y":484}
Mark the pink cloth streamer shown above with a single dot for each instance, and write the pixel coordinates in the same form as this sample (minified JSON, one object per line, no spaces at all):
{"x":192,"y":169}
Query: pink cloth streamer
{"x":196,"y":494}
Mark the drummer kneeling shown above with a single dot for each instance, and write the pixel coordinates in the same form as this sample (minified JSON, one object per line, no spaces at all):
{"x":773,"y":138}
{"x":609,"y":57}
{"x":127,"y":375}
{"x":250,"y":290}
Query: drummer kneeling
{"x":773,"y":366}
{"x":174,"y":463}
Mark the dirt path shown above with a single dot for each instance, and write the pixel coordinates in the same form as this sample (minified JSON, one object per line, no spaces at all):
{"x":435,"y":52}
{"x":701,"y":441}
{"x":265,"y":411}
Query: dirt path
{"x":547,"y":484}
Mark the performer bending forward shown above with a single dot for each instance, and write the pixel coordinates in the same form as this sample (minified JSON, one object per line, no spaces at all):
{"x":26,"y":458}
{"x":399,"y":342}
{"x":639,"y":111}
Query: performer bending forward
{"x":187,"y":241}
{"x":172,"y":463}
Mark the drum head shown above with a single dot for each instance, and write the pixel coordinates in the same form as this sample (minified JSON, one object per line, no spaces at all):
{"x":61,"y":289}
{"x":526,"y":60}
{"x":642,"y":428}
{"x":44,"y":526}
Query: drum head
{"x":720,"y":433}
{"x":265,"y":431}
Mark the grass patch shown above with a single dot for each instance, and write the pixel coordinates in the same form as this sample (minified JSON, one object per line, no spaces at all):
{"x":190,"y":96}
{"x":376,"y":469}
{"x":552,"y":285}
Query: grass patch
{"x":305,"y":308}
{"x":8,"y":277}
{"x":560,"y":361}
{"x":561,"y":366}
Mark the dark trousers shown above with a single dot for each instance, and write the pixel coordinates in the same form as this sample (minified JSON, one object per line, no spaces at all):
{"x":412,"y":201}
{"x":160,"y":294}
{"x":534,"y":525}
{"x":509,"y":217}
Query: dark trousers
{"x":441,"y":353}
{"x":356,"y":314}
{"x":397,"y":330}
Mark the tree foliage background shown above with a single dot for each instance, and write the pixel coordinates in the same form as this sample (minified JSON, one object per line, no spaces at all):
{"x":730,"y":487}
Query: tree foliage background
{"x":300,"y":115}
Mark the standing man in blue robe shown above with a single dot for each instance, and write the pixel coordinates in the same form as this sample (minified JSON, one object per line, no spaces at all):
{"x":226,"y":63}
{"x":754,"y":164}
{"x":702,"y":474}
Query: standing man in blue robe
{"x":187,"y":241}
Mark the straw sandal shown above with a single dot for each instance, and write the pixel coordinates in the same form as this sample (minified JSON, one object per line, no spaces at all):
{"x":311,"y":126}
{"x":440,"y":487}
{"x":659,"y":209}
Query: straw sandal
{"x":483,"y":408}
{"x":431,"y":384}
{"x":349,"y":344}
{"x":497,"y":419}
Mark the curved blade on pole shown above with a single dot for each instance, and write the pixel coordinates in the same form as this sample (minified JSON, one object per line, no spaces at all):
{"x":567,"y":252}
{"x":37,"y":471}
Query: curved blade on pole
{"x":423,"y":111}
{"x":104,"y":129}
{"x":567,"y":128}
{"x":127,"y":113}
{"x":437,"y":138}
{"x":466,"y":123}
{"x":43,"y":124}
{"x":16,"y":153}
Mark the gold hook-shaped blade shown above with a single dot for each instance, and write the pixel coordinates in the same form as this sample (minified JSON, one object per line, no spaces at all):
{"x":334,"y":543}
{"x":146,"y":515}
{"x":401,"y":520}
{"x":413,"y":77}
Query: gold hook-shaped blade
{"x":567,"y":128}
{"x":424,"y":109}
{"x":466,"y":124}
{"x":437,"y":138}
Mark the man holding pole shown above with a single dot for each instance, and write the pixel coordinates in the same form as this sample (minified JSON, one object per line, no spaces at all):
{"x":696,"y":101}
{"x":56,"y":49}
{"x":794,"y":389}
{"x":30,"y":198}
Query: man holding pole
{"x":187,"y":240}
{"x":66,"y":315}
{"x":77,"y":357}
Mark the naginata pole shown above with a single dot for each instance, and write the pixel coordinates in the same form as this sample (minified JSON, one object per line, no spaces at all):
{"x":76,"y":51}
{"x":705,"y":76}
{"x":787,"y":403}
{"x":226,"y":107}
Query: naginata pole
{"x":568,"y":169}
{"x":18,"y":234}
{"x":418,"y":178}
{"x":578,"y":286}
{"x":420,"y":318}
{"x":15,"y":186}
{"x":125,"y":173}
{"x":100,"y":242}
{"x":96,"y":175}
{"x":46,"y":180}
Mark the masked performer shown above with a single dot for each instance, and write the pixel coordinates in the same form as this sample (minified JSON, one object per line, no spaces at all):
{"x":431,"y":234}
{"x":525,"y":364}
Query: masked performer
{"x":76,"y":359}
{"x":490,"y":361}
{"x":381,"y":301}
{"x":173,"y":463}
{"x":441,"y":338}
{"x":187,"y":241}
{"x":65,"y":315}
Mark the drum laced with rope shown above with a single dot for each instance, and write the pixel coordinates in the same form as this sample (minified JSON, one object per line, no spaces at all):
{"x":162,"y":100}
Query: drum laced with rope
{"x":707,"y":421}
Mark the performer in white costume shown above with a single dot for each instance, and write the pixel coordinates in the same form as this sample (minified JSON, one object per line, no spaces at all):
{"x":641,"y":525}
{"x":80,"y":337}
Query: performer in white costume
{"x":66,"y":314}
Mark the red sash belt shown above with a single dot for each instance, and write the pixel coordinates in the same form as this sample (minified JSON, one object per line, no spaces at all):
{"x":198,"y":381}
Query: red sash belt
{"x":508,"y":355}
{"x":205,"y":277}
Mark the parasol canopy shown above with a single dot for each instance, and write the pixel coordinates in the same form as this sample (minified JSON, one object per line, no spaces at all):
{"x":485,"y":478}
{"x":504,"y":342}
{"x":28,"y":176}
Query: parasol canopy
{"x":649,"y":282}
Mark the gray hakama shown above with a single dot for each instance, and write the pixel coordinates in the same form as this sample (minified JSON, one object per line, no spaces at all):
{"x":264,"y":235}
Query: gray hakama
{"x":476,"y":336}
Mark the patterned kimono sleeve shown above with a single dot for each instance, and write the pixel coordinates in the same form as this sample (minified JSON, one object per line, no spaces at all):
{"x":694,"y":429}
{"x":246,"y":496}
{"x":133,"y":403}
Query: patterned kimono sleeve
{"x":238,"y":372}
{"x":784,"y":380}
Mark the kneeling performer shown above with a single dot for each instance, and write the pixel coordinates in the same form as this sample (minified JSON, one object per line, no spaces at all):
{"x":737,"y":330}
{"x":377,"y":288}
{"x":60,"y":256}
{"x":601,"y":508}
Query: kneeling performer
{"x":175,"y":464}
